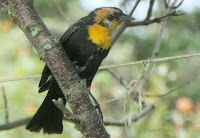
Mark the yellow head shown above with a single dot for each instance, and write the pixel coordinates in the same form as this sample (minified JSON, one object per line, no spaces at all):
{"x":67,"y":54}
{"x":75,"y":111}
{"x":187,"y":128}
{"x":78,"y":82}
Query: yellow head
{"x":110,"y":17}
{"x":105,"y":20}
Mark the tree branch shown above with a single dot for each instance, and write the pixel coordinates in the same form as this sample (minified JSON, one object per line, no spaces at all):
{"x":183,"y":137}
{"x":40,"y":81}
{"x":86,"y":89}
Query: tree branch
{"x":151,"y":60}
{"x":26,"y":17}
{"x":155,"y":20}
{"x":134,"y":118}
{"x":169,"y":92}
{"x":71,"y":117}
{"x":167,"y":15}
{"x":5,"y":104}
{"x":19,"y":78}
{"x":15,"y":124}
{"x":117,"y":76}
{"x":149,"y":13}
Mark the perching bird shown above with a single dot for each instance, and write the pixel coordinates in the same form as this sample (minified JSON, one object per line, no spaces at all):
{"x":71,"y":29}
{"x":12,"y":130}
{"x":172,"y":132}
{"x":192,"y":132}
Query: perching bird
{"x":86,"y":42}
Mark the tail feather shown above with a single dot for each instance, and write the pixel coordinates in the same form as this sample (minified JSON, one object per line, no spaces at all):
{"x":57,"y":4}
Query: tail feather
{"x":46,"y":73}
{"x":48,"y":117}
{"x":45,"y":86}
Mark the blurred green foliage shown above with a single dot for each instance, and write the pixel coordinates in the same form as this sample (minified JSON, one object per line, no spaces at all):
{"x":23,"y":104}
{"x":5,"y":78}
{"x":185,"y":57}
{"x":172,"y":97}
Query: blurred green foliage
{"x":177,"y":112}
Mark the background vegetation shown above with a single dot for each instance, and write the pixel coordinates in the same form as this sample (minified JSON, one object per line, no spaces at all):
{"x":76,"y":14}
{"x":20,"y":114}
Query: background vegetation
{"x":178,"y":111}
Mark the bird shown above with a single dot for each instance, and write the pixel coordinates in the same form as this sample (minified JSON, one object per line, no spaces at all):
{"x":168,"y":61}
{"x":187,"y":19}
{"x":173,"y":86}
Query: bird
{"x":86,"y":42}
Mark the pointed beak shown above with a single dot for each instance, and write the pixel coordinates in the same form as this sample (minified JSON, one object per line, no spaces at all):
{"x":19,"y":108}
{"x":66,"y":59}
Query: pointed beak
{"x":125,"y":18}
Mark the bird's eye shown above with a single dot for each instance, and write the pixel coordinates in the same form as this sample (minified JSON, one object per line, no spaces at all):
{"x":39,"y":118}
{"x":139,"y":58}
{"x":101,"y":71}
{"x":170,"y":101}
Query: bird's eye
{"x":115,"y":14}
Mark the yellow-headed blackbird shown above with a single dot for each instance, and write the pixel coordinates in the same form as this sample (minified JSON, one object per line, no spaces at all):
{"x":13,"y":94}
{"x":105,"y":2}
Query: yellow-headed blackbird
{"x":86,"y":42}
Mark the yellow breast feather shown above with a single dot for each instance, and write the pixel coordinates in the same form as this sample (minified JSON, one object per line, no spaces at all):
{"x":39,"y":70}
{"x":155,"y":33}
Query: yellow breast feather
{"x":100,"y":35}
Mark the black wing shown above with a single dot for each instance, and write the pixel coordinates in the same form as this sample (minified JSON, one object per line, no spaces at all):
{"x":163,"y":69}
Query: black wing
{"x":46,"y":73}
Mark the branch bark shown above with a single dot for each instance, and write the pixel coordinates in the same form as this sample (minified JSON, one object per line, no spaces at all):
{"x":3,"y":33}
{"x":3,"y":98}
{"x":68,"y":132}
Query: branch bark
{"x":26,"y":17}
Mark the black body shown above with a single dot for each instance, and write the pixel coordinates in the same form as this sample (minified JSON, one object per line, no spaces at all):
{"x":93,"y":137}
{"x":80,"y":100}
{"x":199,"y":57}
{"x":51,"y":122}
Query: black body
{"x":86,"y":57}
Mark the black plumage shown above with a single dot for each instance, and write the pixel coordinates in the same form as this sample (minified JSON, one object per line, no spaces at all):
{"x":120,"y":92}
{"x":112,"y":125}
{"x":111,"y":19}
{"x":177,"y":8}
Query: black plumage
{"x":80,"y":49}
{"x":86,"y":53}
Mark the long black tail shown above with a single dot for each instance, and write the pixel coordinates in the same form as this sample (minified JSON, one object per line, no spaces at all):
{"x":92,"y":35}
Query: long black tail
{"x":48,"y":116}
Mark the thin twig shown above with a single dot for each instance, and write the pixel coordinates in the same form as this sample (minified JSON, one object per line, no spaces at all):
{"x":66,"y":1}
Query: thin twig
{"x":19,"y":78}
{"x":22,"y":122}
{"x":131,"y":83}
{"x":155,"y":20}
{"x":115,"y":66}
{"x":153,"y":60}
{"x":59,"y":103}
{"x":169,"y":92}
{"x":135,"y":6}
{"x":117,"y":76}
{"x":166,"y":4}
{"x":15,"y":124}
{"x":124,"y":26}
{"x":168,"y":14}
{"x":134,"y":118}
{"x":59,"y":10}
{"x":5,"y":105}
{"x":175,"y":7}
{"x":149,"y":13}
